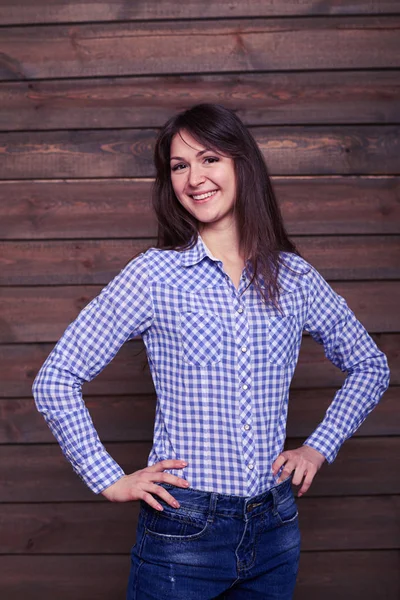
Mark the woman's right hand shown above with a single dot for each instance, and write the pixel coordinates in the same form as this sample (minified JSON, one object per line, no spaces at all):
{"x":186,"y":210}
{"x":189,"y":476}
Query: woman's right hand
{"x":140,"y":485}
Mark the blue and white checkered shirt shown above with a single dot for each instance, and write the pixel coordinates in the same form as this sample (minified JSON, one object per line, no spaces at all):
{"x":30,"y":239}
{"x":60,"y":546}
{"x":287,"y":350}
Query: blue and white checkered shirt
{"x":221,"y":361}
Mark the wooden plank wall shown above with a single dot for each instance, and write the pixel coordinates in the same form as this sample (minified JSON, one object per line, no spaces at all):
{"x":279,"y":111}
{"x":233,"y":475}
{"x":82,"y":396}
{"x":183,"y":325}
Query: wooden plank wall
{"x":84,"y":87}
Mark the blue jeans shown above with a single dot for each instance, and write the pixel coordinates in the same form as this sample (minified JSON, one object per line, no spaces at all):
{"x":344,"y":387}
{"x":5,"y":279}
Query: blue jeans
{"x":217,"y":546}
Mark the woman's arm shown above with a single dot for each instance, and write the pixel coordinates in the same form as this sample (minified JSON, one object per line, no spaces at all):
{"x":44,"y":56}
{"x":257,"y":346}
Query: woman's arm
{"x":122,"y":310}
{"x":348,"y":346}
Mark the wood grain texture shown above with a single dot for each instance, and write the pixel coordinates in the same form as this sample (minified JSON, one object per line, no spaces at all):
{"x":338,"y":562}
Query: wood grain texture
{"x":313,"y":150}
{"x":328,"y":97}
{"x":192,"y":46}
{"x":98,"y":261}
{"x":41,"y":314}
{"x":131,"y":418}
{"x":307,"y":408}
{"x":329,"y":575}
{"x":346,"y":523}
{"x":87,"y":209}
{"x":348,"y":575}
{"x":75,"y":11}
{"x":128,"y":372}
{"x":116,"y":418}
{"x":363,"y":467}
{"x":84,"y":85}
{"x":64,"y":577}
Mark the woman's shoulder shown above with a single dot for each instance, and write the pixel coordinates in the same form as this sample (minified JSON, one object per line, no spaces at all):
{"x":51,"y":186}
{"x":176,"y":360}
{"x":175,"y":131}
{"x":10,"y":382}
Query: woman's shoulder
{"x":154,"y":262}
{"x":294,"y":262}
{"x":294,"y":271}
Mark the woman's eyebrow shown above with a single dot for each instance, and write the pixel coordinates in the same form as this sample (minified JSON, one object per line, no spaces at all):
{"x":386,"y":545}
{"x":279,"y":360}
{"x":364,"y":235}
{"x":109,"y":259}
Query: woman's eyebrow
{"x":198,"y":154}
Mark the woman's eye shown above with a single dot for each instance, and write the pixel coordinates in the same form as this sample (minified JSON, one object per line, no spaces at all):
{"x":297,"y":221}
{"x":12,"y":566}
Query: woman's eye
{"x":210,"y":159}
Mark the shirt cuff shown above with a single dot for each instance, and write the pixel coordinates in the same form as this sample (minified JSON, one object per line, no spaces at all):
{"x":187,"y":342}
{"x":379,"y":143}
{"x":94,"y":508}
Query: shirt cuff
{"x":327,"y":439}
{"x":98,"y":472}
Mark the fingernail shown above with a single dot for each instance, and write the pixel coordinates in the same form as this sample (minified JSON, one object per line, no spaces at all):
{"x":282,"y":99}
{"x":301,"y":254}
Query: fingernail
{"x":175,"y":504}
{"x":159,"y":507}
{"x":186,"y":484}
{"x":184,"y":463}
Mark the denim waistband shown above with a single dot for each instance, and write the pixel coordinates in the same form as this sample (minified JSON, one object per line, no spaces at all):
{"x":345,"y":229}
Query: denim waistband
{"x":214,"y":502}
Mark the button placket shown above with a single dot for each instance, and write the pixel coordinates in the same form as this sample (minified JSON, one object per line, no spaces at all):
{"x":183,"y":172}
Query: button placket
{"x":245,"y":400}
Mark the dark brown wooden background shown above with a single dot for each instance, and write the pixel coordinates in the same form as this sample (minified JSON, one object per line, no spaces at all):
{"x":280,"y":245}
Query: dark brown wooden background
{"x":84,"y":87}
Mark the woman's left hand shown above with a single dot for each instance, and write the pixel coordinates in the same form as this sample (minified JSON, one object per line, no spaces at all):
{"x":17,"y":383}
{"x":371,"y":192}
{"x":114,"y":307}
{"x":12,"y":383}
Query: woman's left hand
{"x":304,"y":461}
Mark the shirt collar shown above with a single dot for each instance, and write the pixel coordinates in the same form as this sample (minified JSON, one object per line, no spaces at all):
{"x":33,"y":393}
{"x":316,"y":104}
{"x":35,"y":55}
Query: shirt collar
{"x":196,"y":253}
{"x":288,"y":279}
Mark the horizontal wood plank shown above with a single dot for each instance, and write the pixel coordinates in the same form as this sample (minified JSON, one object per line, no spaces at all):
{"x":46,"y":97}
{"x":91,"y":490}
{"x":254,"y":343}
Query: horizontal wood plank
{"x":307,"y":408}
{"x":364,"y":466}
{"x":313,"y":150}
{"x":329,"y":575}
{"x":128,"y":372}
{"x":258,"y":99}
{"x":116,"y":418}
{"x":98,"y":261}
{"x":23,"y":466}
{"x":348,"y":575}
{"x":372,"y":257}
{"x":75,"y":11}
{"x":200,"y":46}
{"x":347,"y":523}
{"x":122,"y":208}
{"x":131,"y":418}
{"x":64,"y":577}
{"x":69,"y":262}
{"x":41,"y":314}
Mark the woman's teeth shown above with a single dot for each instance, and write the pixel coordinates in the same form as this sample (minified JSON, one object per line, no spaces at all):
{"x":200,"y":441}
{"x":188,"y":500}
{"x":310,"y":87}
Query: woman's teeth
{"x":204,"y":196}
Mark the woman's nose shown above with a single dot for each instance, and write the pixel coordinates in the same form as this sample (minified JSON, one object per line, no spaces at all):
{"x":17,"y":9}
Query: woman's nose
{"x":196,"y":177}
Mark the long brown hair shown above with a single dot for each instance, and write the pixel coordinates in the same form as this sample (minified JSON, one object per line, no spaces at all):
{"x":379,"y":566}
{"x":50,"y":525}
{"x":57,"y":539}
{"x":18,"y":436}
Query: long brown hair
{"x":262,"y":234}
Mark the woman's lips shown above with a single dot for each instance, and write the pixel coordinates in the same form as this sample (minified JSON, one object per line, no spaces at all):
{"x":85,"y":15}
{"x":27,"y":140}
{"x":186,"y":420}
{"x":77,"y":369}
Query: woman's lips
{"x":203,"y":200}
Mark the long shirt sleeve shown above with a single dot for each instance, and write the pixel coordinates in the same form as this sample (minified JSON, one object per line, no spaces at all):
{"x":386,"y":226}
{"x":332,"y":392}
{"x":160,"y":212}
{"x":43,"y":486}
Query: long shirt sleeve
{"x":122,"y":310}
{"x":350,"y":348}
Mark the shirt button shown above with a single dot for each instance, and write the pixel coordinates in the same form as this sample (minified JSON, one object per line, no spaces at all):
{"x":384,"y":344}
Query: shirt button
{"x":244,"y":386}
{"x":250,"y":466}
{"x":240,"y":310}
{"x":246,"y":427}
{"x":244,"y":348}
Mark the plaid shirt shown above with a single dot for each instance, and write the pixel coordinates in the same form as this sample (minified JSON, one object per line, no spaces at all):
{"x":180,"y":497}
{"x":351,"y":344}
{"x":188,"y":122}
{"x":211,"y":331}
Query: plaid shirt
{"x":221,"y":361}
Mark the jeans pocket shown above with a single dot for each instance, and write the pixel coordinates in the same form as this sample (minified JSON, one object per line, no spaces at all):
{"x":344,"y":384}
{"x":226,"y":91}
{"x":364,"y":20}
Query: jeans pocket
{"x":286,"y":511}
{"x":174,"y":524}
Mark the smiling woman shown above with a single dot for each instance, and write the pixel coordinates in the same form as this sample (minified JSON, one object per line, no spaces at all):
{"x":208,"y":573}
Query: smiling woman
{"x":203,"y":183}
{"x":221,"y":304}
{"x":208,"y":148}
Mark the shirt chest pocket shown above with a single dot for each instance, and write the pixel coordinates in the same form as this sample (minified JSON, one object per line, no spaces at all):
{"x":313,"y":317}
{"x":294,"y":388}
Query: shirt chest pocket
{"x":201,"y":337}
{"x":282,"y":339}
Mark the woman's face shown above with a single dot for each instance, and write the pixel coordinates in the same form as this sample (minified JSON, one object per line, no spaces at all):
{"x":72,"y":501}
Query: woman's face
{"x":203,"y":180}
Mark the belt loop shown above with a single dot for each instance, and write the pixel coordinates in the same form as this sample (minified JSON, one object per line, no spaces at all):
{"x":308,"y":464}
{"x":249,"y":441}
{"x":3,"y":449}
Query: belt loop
{"x":212,"y":506}
{"x":275,"y":498}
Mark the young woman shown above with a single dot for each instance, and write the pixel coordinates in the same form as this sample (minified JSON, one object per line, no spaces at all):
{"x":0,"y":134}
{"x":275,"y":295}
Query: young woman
{"x":221,"y":305}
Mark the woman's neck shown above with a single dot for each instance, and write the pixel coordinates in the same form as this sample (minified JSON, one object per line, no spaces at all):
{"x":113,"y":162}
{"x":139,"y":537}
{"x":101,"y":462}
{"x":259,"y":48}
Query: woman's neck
{"x":223,"y":243}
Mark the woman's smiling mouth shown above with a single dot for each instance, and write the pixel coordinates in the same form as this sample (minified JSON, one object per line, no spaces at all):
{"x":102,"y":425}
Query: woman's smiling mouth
{"x":203,"y":197}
